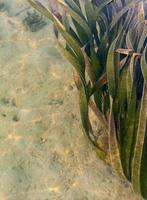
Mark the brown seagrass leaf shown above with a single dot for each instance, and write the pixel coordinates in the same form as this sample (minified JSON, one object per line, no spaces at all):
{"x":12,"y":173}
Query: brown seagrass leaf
{"x":99,"y":115}
{"x":114,"y":150}
{"x":124,"y":51}
{"x":88,"y":66}
{"x":85,"y":117}
{"x":99,"y":83}
{"x":77,"y":80}
{"x":83,"y":103}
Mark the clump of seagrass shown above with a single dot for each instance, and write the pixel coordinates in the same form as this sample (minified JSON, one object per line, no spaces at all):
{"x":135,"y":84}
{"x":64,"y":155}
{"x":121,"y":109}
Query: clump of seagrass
{"x":106,"y":42}
{"x":3,"y":7}
{"x":34,"y":21}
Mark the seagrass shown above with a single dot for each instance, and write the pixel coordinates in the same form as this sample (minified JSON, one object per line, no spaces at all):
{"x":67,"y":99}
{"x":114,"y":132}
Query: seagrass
{"x":106,"y":42}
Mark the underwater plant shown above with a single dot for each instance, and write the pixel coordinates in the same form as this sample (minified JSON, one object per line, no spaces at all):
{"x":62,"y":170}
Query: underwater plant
{"x":34,"y":21}
{"x":3,"y":7}
{"x":106,"y":42}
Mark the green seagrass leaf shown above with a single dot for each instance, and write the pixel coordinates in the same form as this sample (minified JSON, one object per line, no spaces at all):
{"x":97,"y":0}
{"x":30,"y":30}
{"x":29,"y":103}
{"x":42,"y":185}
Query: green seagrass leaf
{"x":41,"y":8}
{"x":128,"y":41}
{"x":98,"y":99}
{"x":99,"y":80}
{"x":69,"y":39}
{"x":111,"y":70}
{"x":61,"y":28}
{"x":119,"y":105}
{"x":142,"y":39}
{"x":120,"y":70}
{"x":127,"y":144}
{"x":66,"y":23}
{"x":125,"y":113}
{"x":90,"y":15}
{"x":83,"y":23}
{"x":139,"y":144}
{"x":99,"y":8}
{"x":130,"y":75}
{"x":106,"y":105}
{"x":73,"y":60}
{"x":78,"y":3}
{"x":99,"y":83}
{"x":122,"y":90}
{"x":96,"y":67}
{"x":102,"y":25}
{"x":144,"y":65}
{"x":143,"y":176}
{"x":122,"y":12}
{"x":76,"y":7}
{"x":129,"y":84}
{"x":83,"y":103}
{"x":83,"y":37}
{"x":89,"y":67}
{"x":102,"y":51}
{"x":128,"y":137}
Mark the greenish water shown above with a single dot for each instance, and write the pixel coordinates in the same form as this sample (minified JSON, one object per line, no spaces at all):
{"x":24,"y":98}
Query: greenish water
{"x":43,"y":153}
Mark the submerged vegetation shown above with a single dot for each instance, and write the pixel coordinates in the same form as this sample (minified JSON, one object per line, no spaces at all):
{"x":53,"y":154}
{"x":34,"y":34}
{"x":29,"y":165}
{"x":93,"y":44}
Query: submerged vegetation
{"x":3,"y":7}
{"x":34,"y":21}
{"x":106,"y":42}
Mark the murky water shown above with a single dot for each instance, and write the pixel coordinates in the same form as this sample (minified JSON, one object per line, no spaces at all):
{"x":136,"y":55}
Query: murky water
{"x":43,"y":153}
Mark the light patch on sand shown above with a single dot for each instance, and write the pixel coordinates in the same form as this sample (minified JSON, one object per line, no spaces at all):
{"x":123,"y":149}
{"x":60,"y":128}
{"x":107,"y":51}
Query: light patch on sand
{"x":54,"y":189}
{"x":18,"y":2}
{"x":25,"y":112}
{"x":14,"y":136}
{"x":36,"y":120}
{"x":19,"y":37}
{"x":54,"y":118}
{"x":67,"y":152}
{"x":32,"y":44}
{"x":74,"y":184}
{"x":3,"y":153}
{"x":23,"y":61}
{"x":55,"y":75}
{"x":4,"y":198}
{"x":66,"y":88}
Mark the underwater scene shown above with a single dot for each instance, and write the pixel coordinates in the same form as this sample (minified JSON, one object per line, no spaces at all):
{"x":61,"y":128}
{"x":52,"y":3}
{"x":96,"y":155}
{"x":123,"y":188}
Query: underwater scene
{"x":44,"y":154}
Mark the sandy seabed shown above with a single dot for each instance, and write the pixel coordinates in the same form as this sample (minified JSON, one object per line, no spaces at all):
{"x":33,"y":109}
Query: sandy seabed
{"x":43,"y":152}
